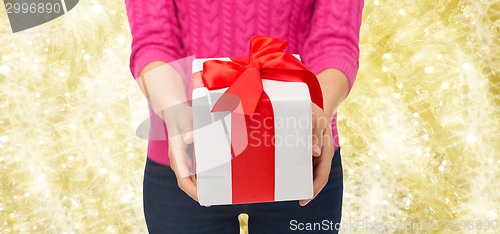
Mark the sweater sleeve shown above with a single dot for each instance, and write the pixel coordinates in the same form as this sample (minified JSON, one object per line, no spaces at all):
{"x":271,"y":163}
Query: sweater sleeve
{"x":155,"y":33}
{"x":334,"y":37}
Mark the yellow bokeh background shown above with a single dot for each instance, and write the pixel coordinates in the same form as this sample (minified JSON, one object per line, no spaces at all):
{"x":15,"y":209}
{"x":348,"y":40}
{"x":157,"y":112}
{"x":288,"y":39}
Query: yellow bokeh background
{"x":419,"y":132}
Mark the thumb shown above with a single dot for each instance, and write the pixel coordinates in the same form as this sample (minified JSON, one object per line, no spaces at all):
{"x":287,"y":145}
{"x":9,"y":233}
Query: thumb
{"x":186,"y":129}
{"x":188,"y":137}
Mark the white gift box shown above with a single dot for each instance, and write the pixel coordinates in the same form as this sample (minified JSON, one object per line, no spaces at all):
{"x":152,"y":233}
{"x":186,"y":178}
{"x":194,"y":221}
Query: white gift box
{"x":293,"y":172}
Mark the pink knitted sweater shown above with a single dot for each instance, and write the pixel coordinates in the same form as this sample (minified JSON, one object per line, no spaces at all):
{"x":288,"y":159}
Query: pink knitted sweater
{"x":325,"y":33}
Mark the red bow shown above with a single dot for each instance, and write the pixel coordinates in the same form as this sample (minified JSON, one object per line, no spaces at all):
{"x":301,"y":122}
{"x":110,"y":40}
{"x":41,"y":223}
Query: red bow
{"x":244,"y":75}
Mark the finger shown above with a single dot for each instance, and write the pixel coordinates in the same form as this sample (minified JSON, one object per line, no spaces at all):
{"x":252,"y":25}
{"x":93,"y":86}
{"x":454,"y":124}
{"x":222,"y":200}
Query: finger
{"x":321,"y":173}
{"x":317,"y":141}
{"x":318,"y":127}
{"x":173,"y":163}
{"x":193,"y":178}
{"x":188,"y":137}
{"x":322,"y":166}
{"x":183,"y":168}
{"x":185,"y":125}
{"x":187,"y":133}
{"x":189,"y":187}
{"x":327,"y":149}
{"x":318,"y":184}
{"x":180,"y":160}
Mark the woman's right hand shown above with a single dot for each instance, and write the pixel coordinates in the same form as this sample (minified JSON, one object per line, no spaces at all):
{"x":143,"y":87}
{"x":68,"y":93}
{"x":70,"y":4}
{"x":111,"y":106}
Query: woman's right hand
{"x":179,"y":123}
{"x":165,"y":90}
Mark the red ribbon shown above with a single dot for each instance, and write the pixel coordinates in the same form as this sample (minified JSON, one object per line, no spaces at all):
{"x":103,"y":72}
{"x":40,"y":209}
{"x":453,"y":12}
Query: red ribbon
{"x":243,"y":76}
{"x":253,"y":169}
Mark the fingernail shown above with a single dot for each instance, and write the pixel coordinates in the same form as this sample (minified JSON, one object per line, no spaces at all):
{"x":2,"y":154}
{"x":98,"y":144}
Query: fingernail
{"x":316,"y":149}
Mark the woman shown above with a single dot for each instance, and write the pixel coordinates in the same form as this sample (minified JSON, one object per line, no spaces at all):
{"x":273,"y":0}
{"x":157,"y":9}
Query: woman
{"x":324,"y":32}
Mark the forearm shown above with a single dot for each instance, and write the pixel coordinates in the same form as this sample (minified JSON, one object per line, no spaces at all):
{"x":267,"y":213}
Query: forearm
{"x":162,"y":85}
{"x":333,"y":42}
{"x":335,"y":87}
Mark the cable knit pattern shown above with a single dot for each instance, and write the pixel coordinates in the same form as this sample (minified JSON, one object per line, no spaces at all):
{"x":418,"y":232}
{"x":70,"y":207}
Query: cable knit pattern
{"x":334,"y":37}
{"x":324,"y":32}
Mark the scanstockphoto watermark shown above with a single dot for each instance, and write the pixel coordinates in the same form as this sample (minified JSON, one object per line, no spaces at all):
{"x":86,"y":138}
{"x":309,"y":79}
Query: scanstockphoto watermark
{"x":382,"y":227}
{"x":362,"y":225}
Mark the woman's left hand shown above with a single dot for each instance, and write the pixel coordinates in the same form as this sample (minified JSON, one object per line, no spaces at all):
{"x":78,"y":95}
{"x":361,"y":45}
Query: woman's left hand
{"x":322,"y":146}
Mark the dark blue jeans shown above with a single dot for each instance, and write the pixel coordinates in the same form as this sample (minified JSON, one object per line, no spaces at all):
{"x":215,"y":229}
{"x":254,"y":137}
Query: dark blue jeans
{"x":169,"y":210}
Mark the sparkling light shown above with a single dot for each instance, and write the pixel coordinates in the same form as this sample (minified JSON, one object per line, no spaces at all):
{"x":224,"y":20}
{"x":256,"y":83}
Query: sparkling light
{"x":470,"y":139}
{"x":55,"y":175}
{"x":445,"y":85}
{"x":432,"y":114}
{"x":4,"y":69}
{"x":429,"y":69}
{"x":96,"y":8}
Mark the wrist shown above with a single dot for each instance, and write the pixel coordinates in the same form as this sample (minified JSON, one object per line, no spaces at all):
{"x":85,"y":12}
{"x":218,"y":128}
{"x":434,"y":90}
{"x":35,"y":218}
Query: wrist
{"x":335,"y":87}
{"x":163,"y":86}
{"x":175,"y":112}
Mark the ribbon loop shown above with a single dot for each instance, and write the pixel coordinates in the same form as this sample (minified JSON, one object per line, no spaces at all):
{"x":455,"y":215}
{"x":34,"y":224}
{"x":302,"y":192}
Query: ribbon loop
{"x":244,"y":75}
